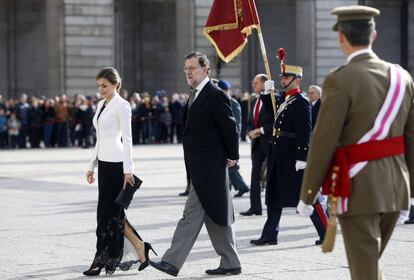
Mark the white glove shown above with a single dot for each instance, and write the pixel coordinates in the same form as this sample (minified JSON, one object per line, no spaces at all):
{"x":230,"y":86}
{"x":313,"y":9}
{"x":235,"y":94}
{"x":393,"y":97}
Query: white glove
{"x":269,"y":86}
{"x":300,"y":164}
{"x":403,"y":216}
{"x":303,"y":209}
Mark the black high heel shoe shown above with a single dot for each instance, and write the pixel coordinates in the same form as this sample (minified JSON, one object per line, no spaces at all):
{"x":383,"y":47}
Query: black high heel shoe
{"x":93,"y":271}
{"x":147,"y":247}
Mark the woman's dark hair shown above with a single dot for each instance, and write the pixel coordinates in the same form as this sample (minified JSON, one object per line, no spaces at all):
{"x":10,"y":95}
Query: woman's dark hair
{"x":112,"y":75}
{"x":357,"y":32}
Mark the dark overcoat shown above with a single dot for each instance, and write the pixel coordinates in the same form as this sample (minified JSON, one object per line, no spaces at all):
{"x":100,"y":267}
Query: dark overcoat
{"x":210,"y":138}
{"x":315,"y":111}
{"x":293,"y":128}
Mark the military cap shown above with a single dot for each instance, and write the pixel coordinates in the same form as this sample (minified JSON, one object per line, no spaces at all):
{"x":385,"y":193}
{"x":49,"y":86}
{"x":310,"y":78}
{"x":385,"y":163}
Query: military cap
{"x":291,"y":70}
{"x":355,"y":12}
{"x":288,"y":70}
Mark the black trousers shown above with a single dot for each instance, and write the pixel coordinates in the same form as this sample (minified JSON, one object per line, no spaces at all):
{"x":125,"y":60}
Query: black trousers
{"x":258,"y":157}
{"x":271,"y":227}
{"x":110,"y":217}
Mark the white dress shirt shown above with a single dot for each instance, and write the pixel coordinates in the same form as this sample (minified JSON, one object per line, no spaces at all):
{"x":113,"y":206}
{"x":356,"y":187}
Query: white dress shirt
{"x":200,"y":86}
{"x":358,"y":52}
{"x":114,"y":123}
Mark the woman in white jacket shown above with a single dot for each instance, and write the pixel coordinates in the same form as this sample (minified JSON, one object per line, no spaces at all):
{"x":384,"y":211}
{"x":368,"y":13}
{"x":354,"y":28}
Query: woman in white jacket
{"x":113,"y":157}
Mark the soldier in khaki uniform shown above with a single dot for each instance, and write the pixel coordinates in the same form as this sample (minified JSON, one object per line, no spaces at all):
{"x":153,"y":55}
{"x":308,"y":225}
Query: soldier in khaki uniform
{"x":357,"y":108}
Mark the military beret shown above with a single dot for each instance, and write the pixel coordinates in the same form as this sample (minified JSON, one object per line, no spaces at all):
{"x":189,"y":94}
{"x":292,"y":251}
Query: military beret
{"x":355,"y":12}
{"x":224,"y":85}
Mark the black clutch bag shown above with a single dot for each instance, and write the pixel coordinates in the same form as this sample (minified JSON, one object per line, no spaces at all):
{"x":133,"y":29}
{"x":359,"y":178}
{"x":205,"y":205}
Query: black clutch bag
{"x":126,"y":194}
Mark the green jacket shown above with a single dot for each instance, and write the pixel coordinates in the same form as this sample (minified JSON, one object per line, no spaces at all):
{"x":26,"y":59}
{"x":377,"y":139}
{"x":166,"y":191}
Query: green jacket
{"x":352,"y":97}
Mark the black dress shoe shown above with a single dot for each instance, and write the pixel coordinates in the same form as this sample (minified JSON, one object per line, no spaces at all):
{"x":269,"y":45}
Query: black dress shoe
{"x":224,"y":271}
{"x":250,"y":212}
{"x":165,"y":267}
{"x":409,"y":221}
{"x":319,"y":241}
{"x":263,"y":241}
{"x":241,"y":193}
{"x":183,"y":193}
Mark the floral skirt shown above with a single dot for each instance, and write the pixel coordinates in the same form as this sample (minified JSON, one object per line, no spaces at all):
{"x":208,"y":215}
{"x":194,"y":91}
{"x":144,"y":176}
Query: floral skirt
{"x":112,"y":248}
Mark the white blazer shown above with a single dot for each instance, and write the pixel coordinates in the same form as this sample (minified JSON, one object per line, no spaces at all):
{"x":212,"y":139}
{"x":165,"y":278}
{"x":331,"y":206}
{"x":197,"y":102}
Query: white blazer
{"x":113,"y":123}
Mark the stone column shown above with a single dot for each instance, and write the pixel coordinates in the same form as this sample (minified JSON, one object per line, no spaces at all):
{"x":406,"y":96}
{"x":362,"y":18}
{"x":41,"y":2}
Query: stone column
{"x":328,"y":54}
{"x":305,"y":40}
{"x":10,"y":46}
{"x":184,"y":10}
{"x":55,"y":47}
{"x":411,"y":37}
{"x":88,"y":42}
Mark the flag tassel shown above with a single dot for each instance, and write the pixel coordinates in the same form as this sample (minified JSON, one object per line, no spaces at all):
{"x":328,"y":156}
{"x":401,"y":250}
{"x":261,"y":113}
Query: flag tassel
{"x":330,"y":235}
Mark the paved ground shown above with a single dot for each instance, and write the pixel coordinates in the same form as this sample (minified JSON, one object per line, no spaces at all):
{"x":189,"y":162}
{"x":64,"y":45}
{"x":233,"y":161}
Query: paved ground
{"x":48,"y":222}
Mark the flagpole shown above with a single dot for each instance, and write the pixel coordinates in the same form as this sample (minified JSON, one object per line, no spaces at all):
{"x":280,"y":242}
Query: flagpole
{"x":266,"y":63}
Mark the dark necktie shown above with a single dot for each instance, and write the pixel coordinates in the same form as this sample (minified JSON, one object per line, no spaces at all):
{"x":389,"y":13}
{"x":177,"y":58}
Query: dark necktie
{"x":192,"y":97}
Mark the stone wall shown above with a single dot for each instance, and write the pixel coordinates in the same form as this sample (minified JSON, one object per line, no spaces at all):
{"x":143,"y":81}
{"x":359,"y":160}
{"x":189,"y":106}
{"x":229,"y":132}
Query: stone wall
{"x":88,"y":42}
{"x":146,"y":44}
{"x":4,"y":53}
{"x":57,"y":46}
{"x":278,"y":24}
{"x":328,"y":55}
{"x":23,"y":48}
{"x":411,"y":37}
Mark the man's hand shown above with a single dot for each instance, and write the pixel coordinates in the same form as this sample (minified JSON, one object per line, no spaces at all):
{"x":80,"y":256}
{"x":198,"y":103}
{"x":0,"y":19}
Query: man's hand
{"x":90,"y":177}
{"x":253,"y":134}
{"x":303,"y":209}
{"x":269,"y":86}
{"x":300,"y":165}
{"x":230,"y":162}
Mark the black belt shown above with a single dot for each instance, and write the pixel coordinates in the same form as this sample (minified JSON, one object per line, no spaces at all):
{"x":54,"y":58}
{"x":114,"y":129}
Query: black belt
{"x":285,"y":134}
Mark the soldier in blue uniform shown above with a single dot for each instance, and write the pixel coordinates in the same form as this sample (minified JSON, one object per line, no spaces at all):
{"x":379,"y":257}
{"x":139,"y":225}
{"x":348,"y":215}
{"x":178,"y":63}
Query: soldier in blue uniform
{"x":287,"y":154}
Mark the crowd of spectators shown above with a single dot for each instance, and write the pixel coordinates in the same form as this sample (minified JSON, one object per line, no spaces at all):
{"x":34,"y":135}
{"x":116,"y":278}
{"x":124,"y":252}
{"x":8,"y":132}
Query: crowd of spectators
{"x":66,"y":121}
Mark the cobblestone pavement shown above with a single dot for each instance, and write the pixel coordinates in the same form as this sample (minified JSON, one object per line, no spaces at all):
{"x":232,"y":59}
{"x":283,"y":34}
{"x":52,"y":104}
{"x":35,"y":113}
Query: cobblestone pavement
{"x":47,"y":228}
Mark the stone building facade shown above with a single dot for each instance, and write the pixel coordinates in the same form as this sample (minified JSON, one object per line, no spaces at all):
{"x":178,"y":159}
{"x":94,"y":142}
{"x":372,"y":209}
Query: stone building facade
{"x":57,"y":46}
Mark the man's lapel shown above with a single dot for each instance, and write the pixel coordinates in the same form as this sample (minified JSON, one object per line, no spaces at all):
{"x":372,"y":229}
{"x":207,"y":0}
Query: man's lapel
{"x":190,"y":113}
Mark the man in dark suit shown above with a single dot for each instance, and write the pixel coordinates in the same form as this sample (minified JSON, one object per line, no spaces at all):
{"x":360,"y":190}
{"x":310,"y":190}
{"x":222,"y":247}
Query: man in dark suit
{"x":259,"y":127}
{"x":211,"y":145}
{"x":234,"y":175}
{"x":314,"y":96}
{"x":287,"y":155}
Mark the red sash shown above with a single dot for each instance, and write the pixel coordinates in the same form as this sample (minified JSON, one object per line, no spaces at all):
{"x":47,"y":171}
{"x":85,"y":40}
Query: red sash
{"x":337,"y":180}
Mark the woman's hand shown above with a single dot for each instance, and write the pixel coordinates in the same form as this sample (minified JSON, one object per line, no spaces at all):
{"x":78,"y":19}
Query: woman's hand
{"x":90,"y":177}
{"x":129,"y":178}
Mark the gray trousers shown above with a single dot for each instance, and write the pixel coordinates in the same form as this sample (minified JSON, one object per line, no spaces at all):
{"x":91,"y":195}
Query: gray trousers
{"x":188,"y":228}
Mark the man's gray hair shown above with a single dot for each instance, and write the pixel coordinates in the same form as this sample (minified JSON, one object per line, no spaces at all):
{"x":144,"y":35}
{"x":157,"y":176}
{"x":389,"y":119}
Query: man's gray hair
{"x":317,"y":89}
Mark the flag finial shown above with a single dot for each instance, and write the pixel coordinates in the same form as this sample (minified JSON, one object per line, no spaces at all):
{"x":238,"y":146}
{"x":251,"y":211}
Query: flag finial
{"x":281,"y":54}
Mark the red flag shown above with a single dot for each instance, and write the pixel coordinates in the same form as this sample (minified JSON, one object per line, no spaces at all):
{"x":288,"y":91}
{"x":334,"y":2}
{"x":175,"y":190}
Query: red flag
{"x":229,"y":24}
